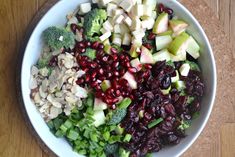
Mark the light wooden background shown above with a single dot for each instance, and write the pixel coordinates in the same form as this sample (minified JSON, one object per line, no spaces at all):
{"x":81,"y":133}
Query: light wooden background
{"x":15,"y":138}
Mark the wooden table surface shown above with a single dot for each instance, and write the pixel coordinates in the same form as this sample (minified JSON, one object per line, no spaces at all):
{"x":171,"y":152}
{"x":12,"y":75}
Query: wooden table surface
{"x":15,"y":138}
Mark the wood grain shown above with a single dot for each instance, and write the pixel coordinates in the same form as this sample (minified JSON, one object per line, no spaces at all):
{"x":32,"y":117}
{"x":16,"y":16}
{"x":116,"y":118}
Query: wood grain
{"x":16,"y":139}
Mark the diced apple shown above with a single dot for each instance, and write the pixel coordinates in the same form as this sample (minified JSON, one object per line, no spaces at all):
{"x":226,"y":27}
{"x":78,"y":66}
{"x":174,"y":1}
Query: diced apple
{"x":136,"y":23}
{"x":105,"y":36}
{"x":193,"y":48}
{"x":180,"y":85}
{"x":95,"y":1}
{"x":108,"y":26}
{"x":148,"y":23}
{"x":124,"y":28}
{"x":151,"y":3}
{"x":99,"y":105}
{"x":99,"y":118}
{"x":179,"y":44}
{"x":106,"y":84}
{"x":138,"y":10}
{"x":118,"y":19}
{"x":138,"y":34}
{"x":169,"y":32}
{"x":135,"y":63}
{"x":147,"y":10}
{"x":84,"y":8}
{"x":163,"y":42}
{"x":126,"y":39}
{"x":117,"y":40}
{"x":163,"y":55}
{"x":118,"y":11}
{"x":138,"y":1}
{"x":180,"y":57}
{"x":127,"y":4}
{"x":107,"y":49}
{"x":175,"y":34}
{"x":102,"y":30}
{"x":184,"y":69}
{"x":154,"y":15}
{"x":117,"y":1}
{"x":178,"y":25}
{"x":131,"y":80}
{"x":161,"y":24}
{"x":117,"y":29}
{"x":128,"y":21}
{"x":146,"y":56}
{"x":176,"y":77}
{"x":106,"y":42}
{"x":133,"y":51}
{"x":105,"y":2}
{"x":110,"y":8}
{"x":137,"y":42}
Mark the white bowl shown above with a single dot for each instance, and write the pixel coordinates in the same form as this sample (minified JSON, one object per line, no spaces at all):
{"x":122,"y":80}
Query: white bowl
{"x":57,"y":16}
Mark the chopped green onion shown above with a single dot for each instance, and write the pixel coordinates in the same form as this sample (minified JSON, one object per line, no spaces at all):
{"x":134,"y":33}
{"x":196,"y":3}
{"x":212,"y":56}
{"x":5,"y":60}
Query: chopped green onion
{"x":125,"y":103}
{"x":127,"y":138}
{"x":72,"y":135}
{"x":155,"y":122}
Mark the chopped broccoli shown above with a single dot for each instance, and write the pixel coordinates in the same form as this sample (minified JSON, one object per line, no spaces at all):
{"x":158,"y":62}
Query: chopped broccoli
{"x":57,"y":38}
{"x":117,"y":116}
{"x":91,"y":53}
{"x":193,"y":65}
{"x":184,"y":125}
{"x":123,"y":153}
{"x":111,"y":149}
{"x":93,"y":22}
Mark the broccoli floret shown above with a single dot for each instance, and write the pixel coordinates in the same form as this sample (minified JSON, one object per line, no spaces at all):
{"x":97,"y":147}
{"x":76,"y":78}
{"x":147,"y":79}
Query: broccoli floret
{"x":123,"y":153}
{"x":111,"y":149}
{"x":91,"y":53}
{"x":93,"y":22}
{"x":57,"y":38}
{"x":117,"y":116}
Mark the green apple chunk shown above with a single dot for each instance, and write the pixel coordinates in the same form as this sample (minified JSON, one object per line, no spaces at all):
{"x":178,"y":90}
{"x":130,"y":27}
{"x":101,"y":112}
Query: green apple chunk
{"x":179,"y":44}
{"x":169,"y":32}
{"x":151,"y":3}
{"x":133,"y":53}
{"x":99,"y":105}
{"x":177,"y":25}
{"x":146,"y":56}
{"x":193,"y":48}
{"x":135,"y":63}
{"x":163,"y":42}
{"x":179,"y":85}
{"x":175,"y":78}
{"x":107,"y":48}
{"x":162,"y":55}
{"x":99,"y":118}
{"x":161,"y":24}
{"x":181,"y":56}
{"x":105,"y":85}
{"x":166,"y":91}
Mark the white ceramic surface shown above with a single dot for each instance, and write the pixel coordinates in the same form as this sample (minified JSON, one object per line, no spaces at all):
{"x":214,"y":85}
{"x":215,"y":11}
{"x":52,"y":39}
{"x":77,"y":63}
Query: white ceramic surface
{"x":57,"y":16}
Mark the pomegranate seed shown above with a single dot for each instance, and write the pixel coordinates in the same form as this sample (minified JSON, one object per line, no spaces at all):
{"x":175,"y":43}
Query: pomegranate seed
{"x":97,"y":88}
{"x":109,"y":74}
{"x":109,"y":101}
{"x":115,"y":100}
{"x":101,"y":71}
{"x":113,"y":50}
{"x":132,"y":70}
{"x":151,"y":36}
{"x":80,"y":81}
{"x":161,"y":8}
{"x":93,"y":65}
{"x":116,"y":73}
{"x":132,"y":97}
{"x":148,"y":66}
{"x":127,"y":64}
{"x":93,"y":75}
{"x":87,"y":78}
{"x":115,"y":57}
{"x":115,"y":85}
{"x":101,"y":46}
{"x":85,"y":69}
{"x":115,"y":64}
{"x":95,"y":45}
{"x":108,"y":68}
{"x":99,"y":94}
{"x":122,"y":72}
{"x":94,"y":84}
{"x":105,"y":59}
{"x":88,"y":43}
{"x":102,"y":78}
{"x":81,"y":45}
{"x":118,"y":93}
{"x":122,"y":57}
{"x":148,"y":46}
{"x":82,"y":50}
{"x":74,"y":27}
{"x":169,"y":11}
{"x":113,"y":107}
{"x":124,"y":82}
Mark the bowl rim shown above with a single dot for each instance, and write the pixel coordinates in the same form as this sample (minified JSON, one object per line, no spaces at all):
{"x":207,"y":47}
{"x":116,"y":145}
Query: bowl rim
{"x":19,"y":77}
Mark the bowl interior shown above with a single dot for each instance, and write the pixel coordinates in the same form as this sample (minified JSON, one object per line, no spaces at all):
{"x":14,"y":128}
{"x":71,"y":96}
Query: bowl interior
{"x":57,"y":16}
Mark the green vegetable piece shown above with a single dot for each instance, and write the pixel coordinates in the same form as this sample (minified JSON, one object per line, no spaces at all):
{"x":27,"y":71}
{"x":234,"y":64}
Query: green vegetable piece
{"x":184,"y":125}
{"x":93,"y":22}
{"x":170,"y":63}
{"x":106,"y":84}
{"x":90,"y":100}
{"x":127,"y":138}
{"x":196,"y":115}
{"x":125,"y":103}
{"x":119,"y":130}
{"x":117,"y":116}
{"x":90,"y":53}
{"x":193,"y":65}
{"x":106,"y":136}
{"x":59,"y":133}
{"x":72,"y":135}
{"x":155,"y":122}
{"x":123,"y":153}
{"x":50,"y":124}
{"x":149,"y":155}
{"x":190,"y":100}
{"x":94,"y":137}
{"x":115,"y":138}
{"x":141,"y":114}
{"x":82,"y":152}
{"x":111,"y":149}
{"x":57,"y":38}
{"x":57,"y":122}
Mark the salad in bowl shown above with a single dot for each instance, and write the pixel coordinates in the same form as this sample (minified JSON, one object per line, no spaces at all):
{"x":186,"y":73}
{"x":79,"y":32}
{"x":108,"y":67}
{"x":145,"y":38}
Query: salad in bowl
{"x":121,"y":78}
